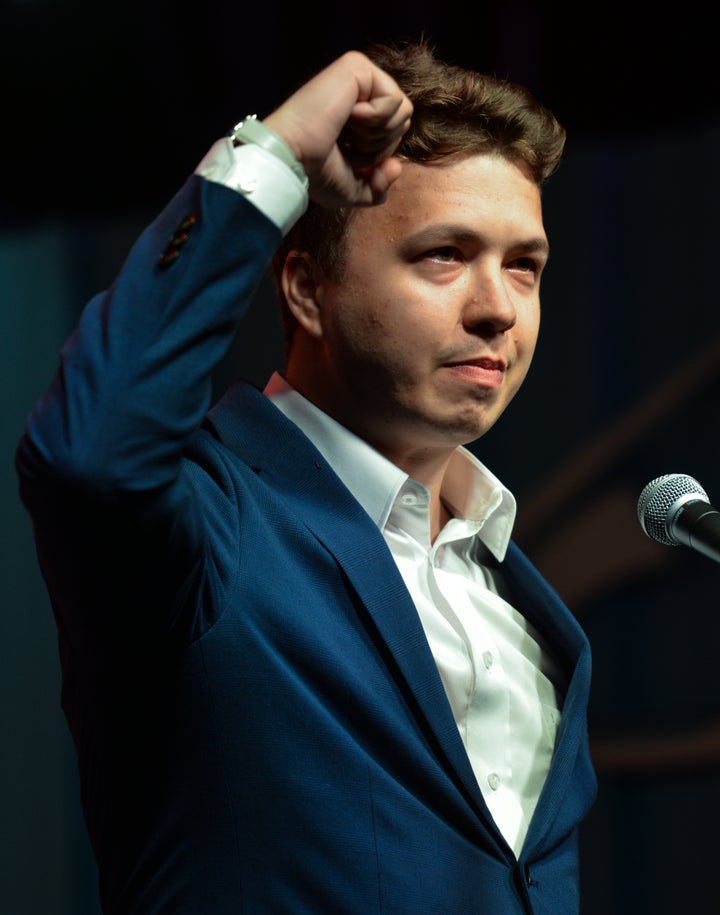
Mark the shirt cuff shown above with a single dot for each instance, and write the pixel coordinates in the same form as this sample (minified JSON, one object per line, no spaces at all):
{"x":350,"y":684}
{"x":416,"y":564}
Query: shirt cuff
{"x":260,"y":177}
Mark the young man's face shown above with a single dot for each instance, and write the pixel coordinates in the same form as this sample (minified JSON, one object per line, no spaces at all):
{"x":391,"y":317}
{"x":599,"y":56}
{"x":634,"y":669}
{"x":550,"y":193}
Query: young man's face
{"x":430,"y":332}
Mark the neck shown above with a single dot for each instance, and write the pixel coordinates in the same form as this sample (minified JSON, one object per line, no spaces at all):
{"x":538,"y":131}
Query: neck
{"x":425,"y":463}
{"x":428,"y":468}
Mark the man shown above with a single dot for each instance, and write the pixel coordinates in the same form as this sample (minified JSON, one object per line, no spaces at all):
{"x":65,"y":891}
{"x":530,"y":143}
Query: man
{"x":303,"y":667}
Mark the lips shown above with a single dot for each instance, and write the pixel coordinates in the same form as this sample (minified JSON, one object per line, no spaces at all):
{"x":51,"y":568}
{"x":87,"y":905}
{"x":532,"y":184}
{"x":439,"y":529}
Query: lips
{"x":481,"y":372}
{"x":483,"y":362}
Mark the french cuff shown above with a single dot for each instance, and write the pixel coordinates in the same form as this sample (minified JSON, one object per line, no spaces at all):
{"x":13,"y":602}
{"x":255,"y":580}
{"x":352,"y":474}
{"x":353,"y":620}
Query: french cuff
{"x":259,"y":176}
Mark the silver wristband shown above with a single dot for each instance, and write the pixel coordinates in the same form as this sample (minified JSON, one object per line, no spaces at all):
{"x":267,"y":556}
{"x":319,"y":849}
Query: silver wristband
{"x":251,"y":130}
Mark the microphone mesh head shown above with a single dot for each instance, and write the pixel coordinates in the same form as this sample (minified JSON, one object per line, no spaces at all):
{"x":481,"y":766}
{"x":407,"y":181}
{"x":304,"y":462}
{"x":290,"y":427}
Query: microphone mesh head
{"x":657,"y":499}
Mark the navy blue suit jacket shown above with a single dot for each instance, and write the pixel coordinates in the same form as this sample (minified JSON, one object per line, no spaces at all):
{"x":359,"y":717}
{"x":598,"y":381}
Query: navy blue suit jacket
{"x":259,"y":722}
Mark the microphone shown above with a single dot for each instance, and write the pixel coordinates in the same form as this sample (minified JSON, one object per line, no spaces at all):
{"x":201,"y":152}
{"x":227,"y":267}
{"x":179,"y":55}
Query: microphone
{"x":675,"y":510}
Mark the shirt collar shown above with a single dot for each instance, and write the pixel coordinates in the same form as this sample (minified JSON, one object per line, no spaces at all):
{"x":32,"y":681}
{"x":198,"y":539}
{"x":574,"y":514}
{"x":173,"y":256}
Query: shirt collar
{"x":469,"y":490}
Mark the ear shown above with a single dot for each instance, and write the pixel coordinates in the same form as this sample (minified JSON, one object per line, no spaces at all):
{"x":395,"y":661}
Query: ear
{"x":300,"y":284}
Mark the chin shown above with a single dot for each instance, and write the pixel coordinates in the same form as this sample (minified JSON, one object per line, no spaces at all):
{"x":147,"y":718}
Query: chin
{"x":471,"y":427}
{"x":455,"y":434}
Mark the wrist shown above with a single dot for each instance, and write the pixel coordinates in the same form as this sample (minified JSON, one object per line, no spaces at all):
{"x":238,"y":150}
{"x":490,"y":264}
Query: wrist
{"x":251,"y":130}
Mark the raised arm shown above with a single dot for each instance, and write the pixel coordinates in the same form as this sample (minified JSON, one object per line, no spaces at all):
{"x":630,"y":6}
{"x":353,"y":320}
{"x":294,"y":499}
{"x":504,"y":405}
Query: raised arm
{"x":103,"y":461}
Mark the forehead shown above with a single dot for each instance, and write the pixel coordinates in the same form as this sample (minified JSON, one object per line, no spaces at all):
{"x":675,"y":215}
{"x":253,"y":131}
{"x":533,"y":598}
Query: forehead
{"x":485,"y":192}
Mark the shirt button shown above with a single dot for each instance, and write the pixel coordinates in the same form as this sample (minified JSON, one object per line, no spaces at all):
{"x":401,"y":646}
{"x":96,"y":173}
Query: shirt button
{"x":408,"y":498}
{"x":494,"y":781}
{"x":487,"y":659}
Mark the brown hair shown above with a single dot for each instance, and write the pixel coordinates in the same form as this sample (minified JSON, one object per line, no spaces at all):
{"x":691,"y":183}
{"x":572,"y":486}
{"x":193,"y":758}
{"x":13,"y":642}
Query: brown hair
{"x":456,"y":112}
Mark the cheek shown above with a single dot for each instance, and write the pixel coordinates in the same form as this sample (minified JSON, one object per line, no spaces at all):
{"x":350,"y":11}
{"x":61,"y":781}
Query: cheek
{"x":528,"y":328}
{"x":525,"y":341}
{"x":364,"y":317}
{"x":356,"y":336}
{"x":529,"y":346}
{"x":379,"y":313}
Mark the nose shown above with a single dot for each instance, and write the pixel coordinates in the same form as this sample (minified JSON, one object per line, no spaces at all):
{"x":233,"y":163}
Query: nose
{"x":489,"y":308}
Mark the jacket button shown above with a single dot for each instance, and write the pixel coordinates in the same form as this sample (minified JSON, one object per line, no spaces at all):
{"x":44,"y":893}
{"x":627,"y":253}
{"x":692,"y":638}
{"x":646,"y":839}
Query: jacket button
{"x":168,"y":257}
{"x":176,"y":241}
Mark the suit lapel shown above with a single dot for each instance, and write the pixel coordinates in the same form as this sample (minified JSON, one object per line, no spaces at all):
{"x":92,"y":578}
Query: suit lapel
{"x":254,"y":429}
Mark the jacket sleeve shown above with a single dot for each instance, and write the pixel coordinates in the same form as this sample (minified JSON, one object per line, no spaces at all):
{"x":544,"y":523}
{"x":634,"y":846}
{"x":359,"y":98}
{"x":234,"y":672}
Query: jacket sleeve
{"x":101,"y":462}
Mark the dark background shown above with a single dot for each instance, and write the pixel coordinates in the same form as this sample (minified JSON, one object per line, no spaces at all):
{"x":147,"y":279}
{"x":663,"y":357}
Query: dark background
{"x":113,"y":103}
{"x":105,"y":110}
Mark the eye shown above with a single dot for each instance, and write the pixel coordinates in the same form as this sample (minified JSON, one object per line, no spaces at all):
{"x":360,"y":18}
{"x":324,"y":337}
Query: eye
{"x":445,"y":254}
{"x":526,"y":265}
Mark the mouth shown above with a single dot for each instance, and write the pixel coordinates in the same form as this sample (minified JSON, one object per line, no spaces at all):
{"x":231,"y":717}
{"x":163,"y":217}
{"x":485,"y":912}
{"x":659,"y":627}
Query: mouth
{"x":483,"y":370}
{"x":483,"y":362}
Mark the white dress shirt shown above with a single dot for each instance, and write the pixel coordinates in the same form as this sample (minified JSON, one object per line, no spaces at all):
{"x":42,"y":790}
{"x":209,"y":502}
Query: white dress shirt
{"x":503,"y":688}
